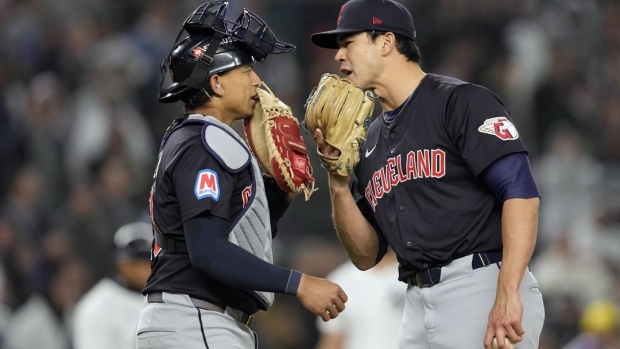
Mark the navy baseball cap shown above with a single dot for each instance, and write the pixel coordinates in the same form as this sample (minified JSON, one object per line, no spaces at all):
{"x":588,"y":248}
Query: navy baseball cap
{"x":365,"y":15}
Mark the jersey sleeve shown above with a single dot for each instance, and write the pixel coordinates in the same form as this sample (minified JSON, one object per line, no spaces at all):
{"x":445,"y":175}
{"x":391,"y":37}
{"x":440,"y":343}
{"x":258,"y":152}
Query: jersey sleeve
{"x":202,"y":183}
{"x":480,"y":126}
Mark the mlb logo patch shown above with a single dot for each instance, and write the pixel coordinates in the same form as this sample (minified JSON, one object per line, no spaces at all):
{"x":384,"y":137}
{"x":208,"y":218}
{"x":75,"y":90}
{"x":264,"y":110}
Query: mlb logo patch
{"x":207,"y":185}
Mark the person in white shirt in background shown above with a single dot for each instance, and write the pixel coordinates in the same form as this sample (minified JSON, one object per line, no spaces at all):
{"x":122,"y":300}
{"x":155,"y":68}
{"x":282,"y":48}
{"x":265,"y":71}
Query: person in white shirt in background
{"x":374,"y":309}
{"x":107,"y":315}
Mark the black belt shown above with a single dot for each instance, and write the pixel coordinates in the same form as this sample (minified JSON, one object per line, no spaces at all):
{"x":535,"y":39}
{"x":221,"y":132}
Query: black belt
{"x":157,"y":297}
{"x":170,"y":244}
{"x":432,"y":276}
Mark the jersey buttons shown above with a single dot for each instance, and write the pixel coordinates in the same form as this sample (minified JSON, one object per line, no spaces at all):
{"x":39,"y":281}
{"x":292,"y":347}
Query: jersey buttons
{"x":392,"y":135}
{"x":401,"y":207}
{"x":409,"y":244}
{"x":392,"y":150}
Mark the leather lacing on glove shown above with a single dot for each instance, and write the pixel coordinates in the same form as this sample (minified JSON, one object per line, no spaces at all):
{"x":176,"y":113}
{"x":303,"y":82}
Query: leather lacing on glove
{"x":273,"y":134}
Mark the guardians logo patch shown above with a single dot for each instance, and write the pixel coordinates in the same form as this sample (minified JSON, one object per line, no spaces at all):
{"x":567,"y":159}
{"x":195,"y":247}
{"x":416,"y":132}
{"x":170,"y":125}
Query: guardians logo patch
{"x":500,"y":127}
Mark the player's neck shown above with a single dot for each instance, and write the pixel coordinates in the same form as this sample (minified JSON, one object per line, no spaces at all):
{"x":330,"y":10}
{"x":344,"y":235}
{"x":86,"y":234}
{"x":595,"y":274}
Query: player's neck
{"x":400,"y":84}
{"x":216,"y":113}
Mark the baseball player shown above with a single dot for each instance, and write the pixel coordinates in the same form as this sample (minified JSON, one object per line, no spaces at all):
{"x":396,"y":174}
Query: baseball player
{"x":444,"y":179}
{"x":213,"y":215}
{"x":106,"y":316}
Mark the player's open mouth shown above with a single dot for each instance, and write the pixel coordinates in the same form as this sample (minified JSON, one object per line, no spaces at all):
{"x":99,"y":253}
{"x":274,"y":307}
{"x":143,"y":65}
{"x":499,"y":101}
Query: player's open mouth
{"x":255,"y":98}
{"x":346,"y":72}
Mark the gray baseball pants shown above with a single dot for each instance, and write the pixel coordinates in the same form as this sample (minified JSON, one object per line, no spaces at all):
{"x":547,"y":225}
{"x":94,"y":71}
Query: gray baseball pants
{"x":454,"y":313}
{"x":177,"y":324}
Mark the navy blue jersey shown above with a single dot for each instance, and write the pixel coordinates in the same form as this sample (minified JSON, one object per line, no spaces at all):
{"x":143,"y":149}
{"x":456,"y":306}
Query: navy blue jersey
{"x":189,"y":181}
{"x":417,"y":179}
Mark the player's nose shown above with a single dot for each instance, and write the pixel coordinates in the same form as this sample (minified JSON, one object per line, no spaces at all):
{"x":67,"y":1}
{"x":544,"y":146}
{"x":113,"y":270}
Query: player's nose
{"x":340,"y":56}
{"x":256,"y":81}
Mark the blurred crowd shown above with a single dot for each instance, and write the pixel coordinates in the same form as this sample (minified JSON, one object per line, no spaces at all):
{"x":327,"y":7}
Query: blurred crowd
{"x":80,"y":127}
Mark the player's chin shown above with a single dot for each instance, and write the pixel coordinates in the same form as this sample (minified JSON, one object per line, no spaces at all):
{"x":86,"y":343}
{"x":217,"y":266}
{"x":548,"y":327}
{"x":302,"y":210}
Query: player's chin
{"x":249,"y":113}
{"x":356,"y":80}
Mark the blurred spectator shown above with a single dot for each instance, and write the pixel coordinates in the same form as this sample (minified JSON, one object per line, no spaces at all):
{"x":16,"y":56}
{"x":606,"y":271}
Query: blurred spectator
{"x":152,"y":32}
{"x":18,"y":261}
{"x":44,"y":320}
{"x":117,"y":190}
{"x":107,"y":118}
{"x":567,"y":171}
{"x":45,"y":118}
{"x":587,"y":270}
{"x":11,"y":140}
{"x":374,"y":310}
{"x":5,"y":311}
{"x":599,"y":327}
{"x":551,"y":100}
{"x":89,"y":230}
{"x":561,"y":321}
{"x":106,"y":316}
{"x":23,"y":204}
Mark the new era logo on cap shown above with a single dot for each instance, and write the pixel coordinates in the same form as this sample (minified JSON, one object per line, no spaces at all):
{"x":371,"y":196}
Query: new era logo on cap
{"x":365,"y":15}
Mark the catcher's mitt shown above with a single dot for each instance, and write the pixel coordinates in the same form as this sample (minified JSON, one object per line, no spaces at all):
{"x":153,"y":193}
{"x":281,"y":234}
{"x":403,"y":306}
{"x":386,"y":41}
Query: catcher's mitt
{"x":274,"y":136}
{"x":342,"y":111}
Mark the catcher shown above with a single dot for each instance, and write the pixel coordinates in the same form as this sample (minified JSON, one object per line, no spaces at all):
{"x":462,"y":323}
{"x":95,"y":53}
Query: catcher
{"x":213,"y":215}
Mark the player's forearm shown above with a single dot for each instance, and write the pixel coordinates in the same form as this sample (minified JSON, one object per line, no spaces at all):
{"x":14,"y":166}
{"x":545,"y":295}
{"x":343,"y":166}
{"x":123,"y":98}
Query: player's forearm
{"x":519,"y":231}
{"x":210,"y":251}
{"x":355,"y":233}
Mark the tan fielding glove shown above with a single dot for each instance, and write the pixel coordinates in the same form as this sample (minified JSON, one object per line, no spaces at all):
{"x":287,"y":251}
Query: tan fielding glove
{"x":342,"y":111}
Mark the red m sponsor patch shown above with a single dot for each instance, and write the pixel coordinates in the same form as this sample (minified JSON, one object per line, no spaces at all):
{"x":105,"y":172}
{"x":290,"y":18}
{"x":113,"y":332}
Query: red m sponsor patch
{"x":207,"y":185}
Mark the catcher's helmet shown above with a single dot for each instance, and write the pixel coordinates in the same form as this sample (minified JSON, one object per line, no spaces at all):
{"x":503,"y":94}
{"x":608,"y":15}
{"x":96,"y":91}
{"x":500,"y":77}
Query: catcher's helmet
{"x":181,"y":65}
{"x":133,"y":241}
{"x":214,"y":45}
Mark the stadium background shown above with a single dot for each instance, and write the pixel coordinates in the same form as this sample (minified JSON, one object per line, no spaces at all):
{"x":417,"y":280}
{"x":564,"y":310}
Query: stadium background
{"x":80,"y":127}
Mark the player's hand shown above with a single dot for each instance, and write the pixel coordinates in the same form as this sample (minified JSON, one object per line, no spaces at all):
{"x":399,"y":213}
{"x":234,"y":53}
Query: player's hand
{"x":335,"y":181}
{"x":325,"y":148}
{"x":505,"y":320}
{"x":321,"y":297}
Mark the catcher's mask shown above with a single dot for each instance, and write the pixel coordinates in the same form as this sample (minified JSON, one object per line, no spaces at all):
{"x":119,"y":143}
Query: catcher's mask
{"x":214,"y":45}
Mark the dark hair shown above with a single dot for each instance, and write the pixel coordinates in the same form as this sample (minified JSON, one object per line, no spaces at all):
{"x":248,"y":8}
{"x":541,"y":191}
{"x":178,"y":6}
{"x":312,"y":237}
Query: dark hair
{"x":404,"y":45}
{"x":199,"y":98}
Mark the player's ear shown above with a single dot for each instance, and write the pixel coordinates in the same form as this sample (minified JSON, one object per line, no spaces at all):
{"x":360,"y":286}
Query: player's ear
{"x":388,"y":42}
{"x":215,"y":84}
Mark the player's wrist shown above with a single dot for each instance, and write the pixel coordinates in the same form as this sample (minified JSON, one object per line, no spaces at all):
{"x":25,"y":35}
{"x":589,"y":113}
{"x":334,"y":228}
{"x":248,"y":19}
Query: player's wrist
{"x":293,"y":283}
{"x":338,"y":183}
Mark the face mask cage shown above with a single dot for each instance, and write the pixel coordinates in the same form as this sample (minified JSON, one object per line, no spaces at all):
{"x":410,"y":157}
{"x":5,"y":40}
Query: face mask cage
{"x":207,"y":18}
{"x":260,"y":39}
{"x":210,"y":19}
{"x":249,"y":29}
